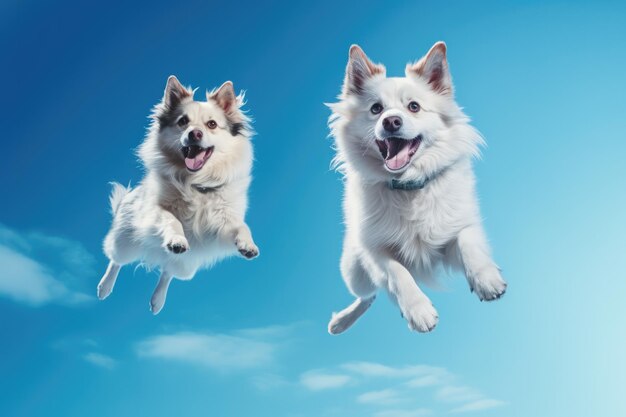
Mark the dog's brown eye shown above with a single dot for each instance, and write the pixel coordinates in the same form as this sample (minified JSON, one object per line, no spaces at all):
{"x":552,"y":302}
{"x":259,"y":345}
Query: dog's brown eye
{"x":414,"y":107}
{"x":376,"y":108}
{"x":212,"y":124}
{"x":183,"y":121}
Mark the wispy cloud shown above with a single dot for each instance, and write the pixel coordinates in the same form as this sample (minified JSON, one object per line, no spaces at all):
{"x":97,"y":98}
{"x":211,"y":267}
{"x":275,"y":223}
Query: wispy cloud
{"x":429,"y":380}
{"x":39,"y":269}
{"x":222,"y":352}
{"x":452,"y":393}
{"x":273,"y":331}
{"x":473,"y":399}
{"x":479,"y":405}
{"x":377,"y":370}
{"x":317,"y":380}
{"x":406,"y":388}
{"x":373,"y":369}
{"x":381,"y":397}
{"x":100,"y":360}
{"x":418,"y":412}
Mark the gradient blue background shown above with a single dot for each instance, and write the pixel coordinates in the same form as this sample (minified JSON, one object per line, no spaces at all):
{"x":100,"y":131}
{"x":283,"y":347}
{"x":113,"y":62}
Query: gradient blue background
{"x":543,"y":81}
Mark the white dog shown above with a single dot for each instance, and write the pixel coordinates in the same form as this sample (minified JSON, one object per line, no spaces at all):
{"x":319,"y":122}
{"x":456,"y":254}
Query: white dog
{"x":188,"y":211}
{"x":405,"y":149}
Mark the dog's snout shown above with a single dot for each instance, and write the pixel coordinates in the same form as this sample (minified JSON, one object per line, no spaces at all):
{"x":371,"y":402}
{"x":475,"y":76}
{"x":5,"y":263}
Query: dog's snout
{"x":195,"y":135}
{"x":392,"y":123}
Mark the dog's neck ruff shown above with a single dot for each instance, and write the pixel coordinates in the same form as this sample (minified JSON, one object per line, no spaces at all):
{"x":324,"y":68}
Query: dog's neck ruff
{"x":205,"y":189}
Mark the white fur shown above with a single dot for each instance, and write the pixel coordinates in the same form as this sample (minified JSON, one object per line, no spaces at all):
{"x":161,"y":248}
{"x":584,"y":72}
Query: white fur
{"x":395,"y":238}
{"x":165,"y":209}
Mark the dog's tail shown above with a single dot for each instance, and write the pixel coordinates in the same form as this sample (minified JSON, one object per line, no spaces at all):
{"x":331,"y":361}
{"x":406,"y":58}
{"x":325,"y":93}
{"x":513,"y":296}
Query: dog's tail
{"x":118,"y":192}
{"x":340,"y":322}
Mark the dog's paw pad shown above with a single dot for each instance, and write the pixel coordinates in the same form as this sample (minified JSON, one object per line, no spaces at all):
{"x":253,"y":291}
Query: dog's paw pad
{"x":177,"y":245}
{"x":247,"y":249}
{"x":249,"y":253}
{"x":489,"y":285}
{"x":421,"y":316}
{"x":177,"y":248}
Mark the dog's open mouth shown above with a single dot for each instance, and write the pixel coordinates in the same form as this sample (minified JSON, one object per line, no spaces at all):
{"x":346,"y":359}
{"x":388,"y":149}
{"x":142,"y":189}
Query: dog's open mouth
{"x":397,"y":152}
{"x":196,"y":156}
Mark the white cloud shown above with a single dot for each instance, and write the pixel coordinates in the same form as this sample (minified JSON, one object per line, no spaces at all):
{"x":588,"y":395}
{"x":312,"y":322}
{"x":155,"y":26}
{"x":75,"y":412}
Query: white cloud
{"x":451,"y":393}
{"x":220,"y":352}
{"x":372,"y":369}
{"x":320,"y":380}
{"x":419,"y":412}
{"x":473,"y":399}
{"x":384,"y":397}
{"x":429,"y":380}
{"x":483,"y":404}
{"x":100,"y":360}
{"x":273,"y":331}
{"x":27,"y":281}
{"x":38,"y":269}
{"x":413,"y":385}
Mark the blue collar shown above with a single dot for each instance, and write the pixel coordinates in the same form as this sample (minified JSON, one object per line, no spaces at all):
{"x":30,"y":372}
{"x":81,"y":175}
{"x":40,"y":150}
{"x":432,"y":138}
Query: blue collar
{"x":410,"y":185}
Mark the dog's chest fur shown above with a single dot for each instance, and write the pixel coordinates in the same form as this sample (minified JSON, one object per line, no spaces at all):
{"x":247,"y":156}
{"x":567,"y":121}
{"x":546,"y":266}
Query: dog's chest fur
{"x":204,"y":214}
{"x":415,"y":226}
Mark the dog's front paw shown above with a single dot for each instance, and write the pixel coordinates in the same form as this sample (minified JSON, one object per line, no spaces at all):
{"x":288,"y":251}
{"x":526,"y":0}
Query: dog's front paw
{"x":177,"y":245}
{"x":488,"y":285}
{"x":420,"y":315}
{"x":247,"y":249}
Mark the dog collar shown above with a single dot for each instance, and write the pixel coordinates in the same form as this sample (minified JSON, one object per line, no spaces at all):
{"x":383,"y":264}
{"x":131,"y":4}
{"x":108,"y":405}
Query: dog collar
{"x":411,"y":185}
{"x":204,"y":189}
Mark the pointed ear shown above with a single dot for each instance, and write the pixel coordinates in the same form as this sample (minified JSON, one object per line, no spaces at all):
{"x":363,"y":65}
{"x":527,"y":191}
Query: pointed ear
{"x":175,"y":92}
{"x":225,"y":97}
{"x":433,"y":68}
{"x":359,"y":69}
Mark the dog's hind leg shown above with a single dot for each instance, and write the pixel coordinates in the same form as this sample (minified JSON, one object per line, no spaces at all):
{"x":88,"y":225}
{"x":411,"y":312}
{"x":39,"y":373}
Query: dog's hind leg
{"x":121,"y":249}
{"x":340,"y":322}
{"x":160,"y":292}
{"x":120,"y":245}
{"x":108,"y":280}
{"x":360,"y":284}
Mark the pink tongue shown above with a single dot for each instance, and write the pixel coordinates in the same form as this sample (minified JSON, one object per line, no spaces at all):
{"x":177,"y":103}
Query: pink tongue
{"x":196,"y":162}
{"x":400,"y":160}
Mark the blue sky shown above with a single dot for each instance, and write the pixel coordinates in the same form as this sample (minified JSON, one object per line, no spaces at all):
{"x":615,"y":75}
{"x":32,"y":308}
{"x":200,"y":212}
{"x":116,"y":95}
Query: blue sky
{"x":543,"y":81}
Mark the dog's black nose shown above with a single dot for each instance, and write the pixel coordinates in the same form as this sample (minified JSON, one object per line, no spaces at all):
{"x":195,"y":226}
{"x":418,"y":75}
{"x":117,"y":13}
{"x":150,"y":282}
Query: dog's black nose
{"x":392,"y":123}
{"x":195,"y":135}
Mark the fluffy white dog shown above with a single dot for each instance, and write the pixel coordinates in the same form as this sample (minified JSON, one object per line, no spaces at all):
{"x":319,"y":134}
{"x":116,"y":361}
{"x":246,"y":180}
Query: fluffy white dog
{"x":188,"y":211}
{"x":405,"y":148}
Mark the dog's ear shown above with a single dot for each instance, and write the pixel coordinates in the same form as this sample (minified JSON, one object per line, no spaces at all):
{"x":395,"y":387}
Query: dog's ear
{"x":359,"y":69}
{"x":224,"y":97}
{"x":175,"y":92}
{"x":433,"y":68}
